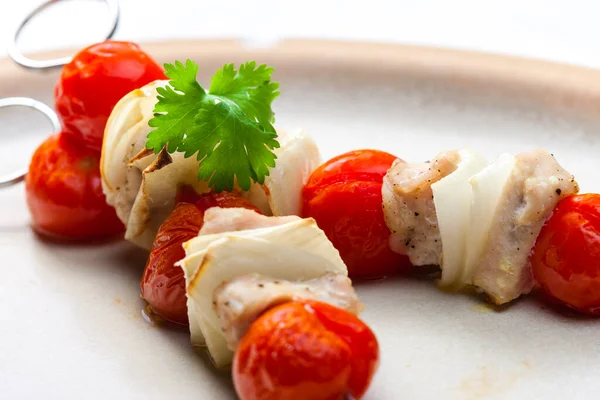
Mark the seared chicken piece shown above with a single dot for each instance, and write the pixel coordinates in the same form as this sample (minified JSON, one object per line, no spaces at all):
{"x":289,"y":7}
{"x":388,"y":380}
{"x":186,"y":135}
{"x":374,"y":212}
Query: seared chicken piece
{"x":536,"y":184}
{"x":243,"y":299}
{"x":409,"y":209}
{"x":285,"y":248}
{"x":218,"y":220}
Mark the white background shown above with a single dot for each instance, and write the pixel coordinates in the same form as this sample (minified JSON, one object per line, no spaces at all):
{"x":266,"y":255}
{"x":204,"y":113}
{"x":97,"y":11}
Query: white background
{"x":561,"y":30}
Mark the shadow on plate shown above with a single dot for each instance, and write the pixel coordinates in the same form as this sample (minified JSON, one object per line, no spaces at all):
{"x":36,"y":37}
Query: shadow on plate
{"x":536,"y":300}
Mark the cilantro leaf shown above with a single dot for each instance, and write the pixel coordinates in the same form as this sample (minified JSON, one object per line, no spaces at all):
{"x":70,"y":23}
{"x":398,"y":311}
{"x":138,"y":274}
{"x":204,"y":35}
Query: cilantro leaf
{"x":229,"y":128}
{"x":250,"y":89}
{"x":174,"y":113}
{"x":243,"y":149}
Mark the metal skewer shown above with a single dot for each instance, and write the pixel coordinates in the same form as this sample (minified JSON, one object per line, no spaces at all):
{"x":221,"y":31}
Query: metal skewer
{"x":26,"y":62}
{"x":15,"y":54}
{"x":18,"y":176}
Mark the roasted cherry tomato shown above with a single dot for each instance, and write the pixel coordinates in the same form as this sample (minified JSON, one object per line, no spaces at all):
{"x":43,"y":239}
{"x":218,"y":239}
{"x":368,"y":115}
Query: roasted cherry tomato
{"x":566,"y":257}
{"x":94,"y":81}
{"x":163,"y":283}
{"x":305,"y":350}
{"x":64,"y":192}
{"x":344,"y":197}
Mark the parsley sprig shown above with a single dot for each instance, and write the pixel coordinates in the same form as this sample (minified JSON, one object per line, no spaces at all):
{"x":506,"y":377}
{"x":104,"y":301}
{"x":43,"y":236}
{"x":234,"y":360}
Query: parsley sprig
{"x":228,"y":128}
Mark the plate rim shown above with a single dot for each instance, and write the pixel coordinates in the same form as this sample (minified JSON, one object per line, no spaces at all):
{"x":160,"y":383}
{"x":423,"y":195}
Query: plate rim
{"x":546,"y":81}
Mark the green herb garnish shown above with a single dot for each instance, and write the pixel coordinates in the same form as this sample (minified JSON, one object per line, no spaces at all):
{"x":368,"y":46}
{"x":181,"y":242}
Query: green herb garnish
{"x":228,"y":128}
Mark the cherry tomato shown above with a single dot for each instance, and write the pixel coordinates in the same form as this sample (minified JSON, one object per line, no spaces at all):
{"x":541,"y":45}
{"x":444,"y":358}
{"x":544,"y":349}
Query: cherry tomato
{"x":566,"y":257}
{"x":344,"y":197}
{"x":64,"y":192}
{"x":163,"y":283}
{"x":357,"y":165}
{"x":305,"y":350}
{"x":94,"y":81}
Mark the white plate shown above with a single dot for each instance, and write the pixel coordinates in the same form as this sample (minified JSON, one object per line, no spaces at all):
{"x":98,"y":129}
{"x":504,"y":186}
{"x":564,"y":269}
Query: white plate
{"x":72,"y":325}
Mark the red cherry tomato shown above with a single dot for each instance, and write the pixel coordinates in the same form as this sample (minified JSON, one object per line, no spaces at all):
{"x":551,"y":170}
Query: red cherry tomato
{"x":357,"y":165}
{"x":163,"y":283}
{"x":305,"y":350}
{"x":64,"y":192}
{"x":566,"y":257}
{"x":344,"y":197}
{"x":94,"y":81}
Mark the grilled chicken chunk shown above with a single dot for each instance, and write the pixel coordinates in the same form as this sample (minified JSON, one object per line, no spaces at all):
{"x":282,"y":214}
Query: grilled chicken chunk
{"x":536,"y":184}
{"x":240,"y":301}
{"x":285,"y":248}
{"x":507,"y":211}
{"x":218,"y":220}
{"x":409,"y":209}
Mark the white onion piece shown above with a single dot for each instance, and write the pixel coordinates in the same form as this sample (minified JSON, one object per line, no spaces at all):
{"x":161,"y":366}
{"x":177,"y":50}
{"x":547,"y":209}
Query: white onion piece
{"x":124,"y":141}
{"x":452,"y":197}
{"x":297,"y":158}
{"x":156,"y":197}
{"x":487,"y":188}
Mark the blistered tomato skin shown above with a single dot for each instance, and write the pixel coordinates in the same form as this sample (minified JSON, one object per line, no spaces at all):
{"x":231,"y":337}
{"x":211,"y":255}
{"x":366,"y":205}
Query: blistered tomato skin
{"x":344,"y":197}
{"x":566,"y":257}
{"x":94,"y":81}
{"x":163,"y":283}
{"x":357,"y":165}
{"x":64,"y":193}
{"x":305,"y":350}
